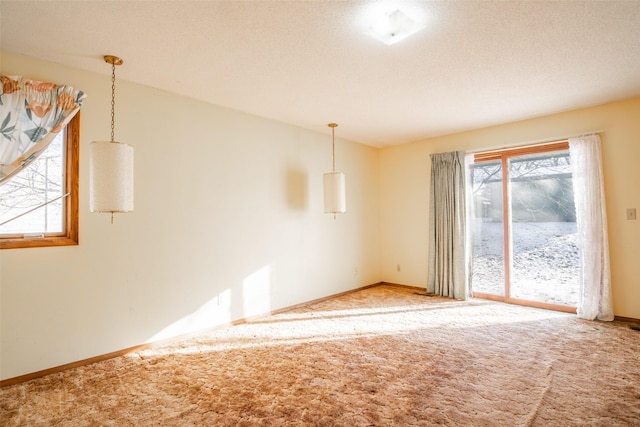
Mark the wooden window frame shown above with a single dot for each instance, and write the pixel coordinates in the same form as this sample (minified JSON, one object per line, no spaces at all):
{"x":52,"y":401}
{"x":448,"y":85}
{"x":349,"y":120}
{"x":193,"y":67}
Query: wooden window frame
{"x":72,"y":177}
{"x":521,"y":151}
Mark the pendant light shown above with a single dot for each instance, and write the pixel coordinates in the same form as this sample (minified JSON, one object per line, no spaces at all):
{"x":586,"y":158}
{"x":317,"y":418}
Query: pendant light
{"x":111,"y":165}
{"x":334,"y":184}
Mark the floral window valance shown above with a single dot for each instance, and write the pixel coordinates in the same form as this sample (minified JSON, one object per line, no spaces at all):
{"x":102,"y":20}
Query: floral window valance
{"x":32,"y":113}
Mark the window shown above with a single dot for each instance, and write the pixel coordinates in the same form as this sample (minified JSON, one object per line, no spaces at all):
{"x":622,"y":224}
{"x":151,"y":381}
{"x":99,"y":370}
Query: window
{"x":524,"y":227}
{"x":39,"y":205}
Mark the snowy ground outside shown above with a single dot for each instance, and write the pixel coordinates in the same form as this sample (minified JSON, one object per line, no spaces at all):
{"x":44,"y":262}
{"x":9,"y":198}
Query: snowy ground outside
{"x":545,"y":261}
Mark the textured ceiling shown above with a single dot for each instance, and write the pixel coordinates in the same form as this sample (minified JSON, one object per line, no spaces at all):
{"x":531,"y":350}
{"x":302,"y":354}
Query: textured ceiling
{"x":309,"y":63}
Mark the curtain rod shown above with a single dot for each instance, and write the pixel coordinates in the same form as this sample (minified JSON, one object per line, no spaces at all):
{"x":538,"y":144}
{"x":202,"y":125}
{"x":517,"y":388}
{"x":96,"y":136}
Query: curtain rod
{"x":533,"y":143}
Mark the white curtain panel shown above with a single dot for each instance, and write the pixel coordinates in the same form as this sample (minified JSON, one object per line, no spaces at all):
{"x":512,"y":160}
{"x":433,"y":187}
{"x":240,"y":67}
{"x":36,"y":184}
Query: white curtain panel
{"x":595,"y":301}
{"x":447,"y":225}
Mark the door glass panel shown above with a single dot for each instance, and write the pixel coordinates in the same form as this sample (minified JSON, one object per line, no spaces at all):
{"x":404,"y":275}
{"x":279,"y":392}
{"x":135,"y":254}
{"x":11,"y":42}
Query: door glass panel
{"x":545,"y":257}
{"x":488,"y":229}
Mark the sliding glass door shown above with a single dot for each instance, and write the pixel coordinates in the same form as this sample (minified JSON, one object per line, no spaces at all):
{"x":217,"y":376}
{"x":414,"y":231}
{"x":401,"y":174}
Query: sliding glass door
{"x":524,"y":227}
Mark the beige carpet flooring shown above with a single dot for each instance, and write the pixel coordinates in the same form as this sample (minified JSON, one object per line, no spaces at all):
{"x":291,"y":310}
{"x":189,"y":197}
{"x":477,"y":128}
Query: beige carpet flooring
{"x":382,"y":356}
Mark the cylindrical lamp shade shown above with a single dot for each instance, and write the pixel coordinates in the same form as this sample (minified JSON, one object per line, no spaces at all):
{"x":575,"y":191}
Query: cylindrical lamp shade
{"x":111,"y":177}
{"x":335,"y":200}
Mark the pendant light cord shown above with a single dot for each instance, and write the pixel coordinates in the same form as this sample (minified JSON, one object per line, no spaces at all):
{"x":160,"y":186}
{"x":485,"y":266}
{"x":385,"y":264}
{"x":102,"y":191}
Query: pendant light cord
{"x":333,"y":154}
{"x":333,"y":144}
{"x":113,"y":99}
{"x":113,"y":108}
{"x":333,"y":149}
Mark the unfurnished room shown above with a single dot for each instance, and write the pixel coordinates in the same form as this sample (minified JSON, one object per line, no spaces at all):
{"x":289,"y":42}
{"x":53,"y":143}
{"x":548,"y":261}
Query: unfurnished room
{"x":319,"y":213}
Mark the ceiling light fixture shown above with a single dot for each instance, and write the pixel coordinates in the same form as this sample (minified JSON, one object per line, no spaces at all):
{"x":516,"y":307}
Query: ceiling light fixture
{"x":393,"y":27}
{"x":111,"y":165}
{"x":334,"y":183}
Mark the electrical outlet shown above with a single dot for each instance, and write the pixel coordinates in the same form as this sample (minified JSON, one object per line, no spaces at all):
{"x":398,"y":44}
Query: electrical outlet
{"x":398,"y":268}
{"x":631,"y":213}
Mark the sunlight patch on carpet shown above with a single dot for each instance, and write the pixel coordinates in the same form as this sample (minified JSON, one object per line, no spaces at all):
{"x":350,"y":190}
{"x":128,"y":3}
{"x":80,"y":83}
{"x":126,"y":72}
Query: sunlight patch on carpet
{"x":318,"y":325}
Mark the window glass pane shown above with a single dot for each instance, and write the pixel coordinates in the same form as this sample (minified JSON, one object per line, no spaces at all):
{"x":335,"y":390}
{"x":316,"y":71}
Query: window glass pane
{"x":545,"y":261}
{"x":488,"y":229}
{"x":39,"y":183}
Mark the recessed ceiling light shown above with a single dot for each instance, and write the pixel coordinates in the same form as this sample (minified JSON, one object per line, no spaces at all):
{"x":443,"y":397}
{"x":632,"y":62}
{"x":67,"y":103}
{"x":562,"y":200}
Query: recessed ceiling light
{"x":393,"y":27}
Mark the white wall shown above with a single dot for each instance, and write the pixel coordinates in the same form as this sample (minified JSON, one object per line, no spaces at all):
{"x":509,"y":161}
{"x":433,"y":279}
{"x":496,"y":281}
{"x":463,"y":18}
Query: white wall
{"x":405,"y":177}
{"x":228,"y":223}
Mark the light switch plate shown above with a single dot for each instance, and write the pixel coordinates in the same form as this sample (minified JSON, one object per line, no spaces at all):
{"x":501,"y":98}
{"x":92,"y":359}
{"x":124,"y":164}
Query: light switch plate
{"x":631,"y":213}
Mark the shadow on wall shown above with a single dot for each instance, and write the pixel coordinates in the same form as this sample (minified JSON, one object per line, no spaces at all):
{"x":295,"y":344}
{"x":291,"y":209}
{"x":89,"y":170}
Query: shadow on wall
{"x":297,"y":189}
{"x":253,"y":298}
